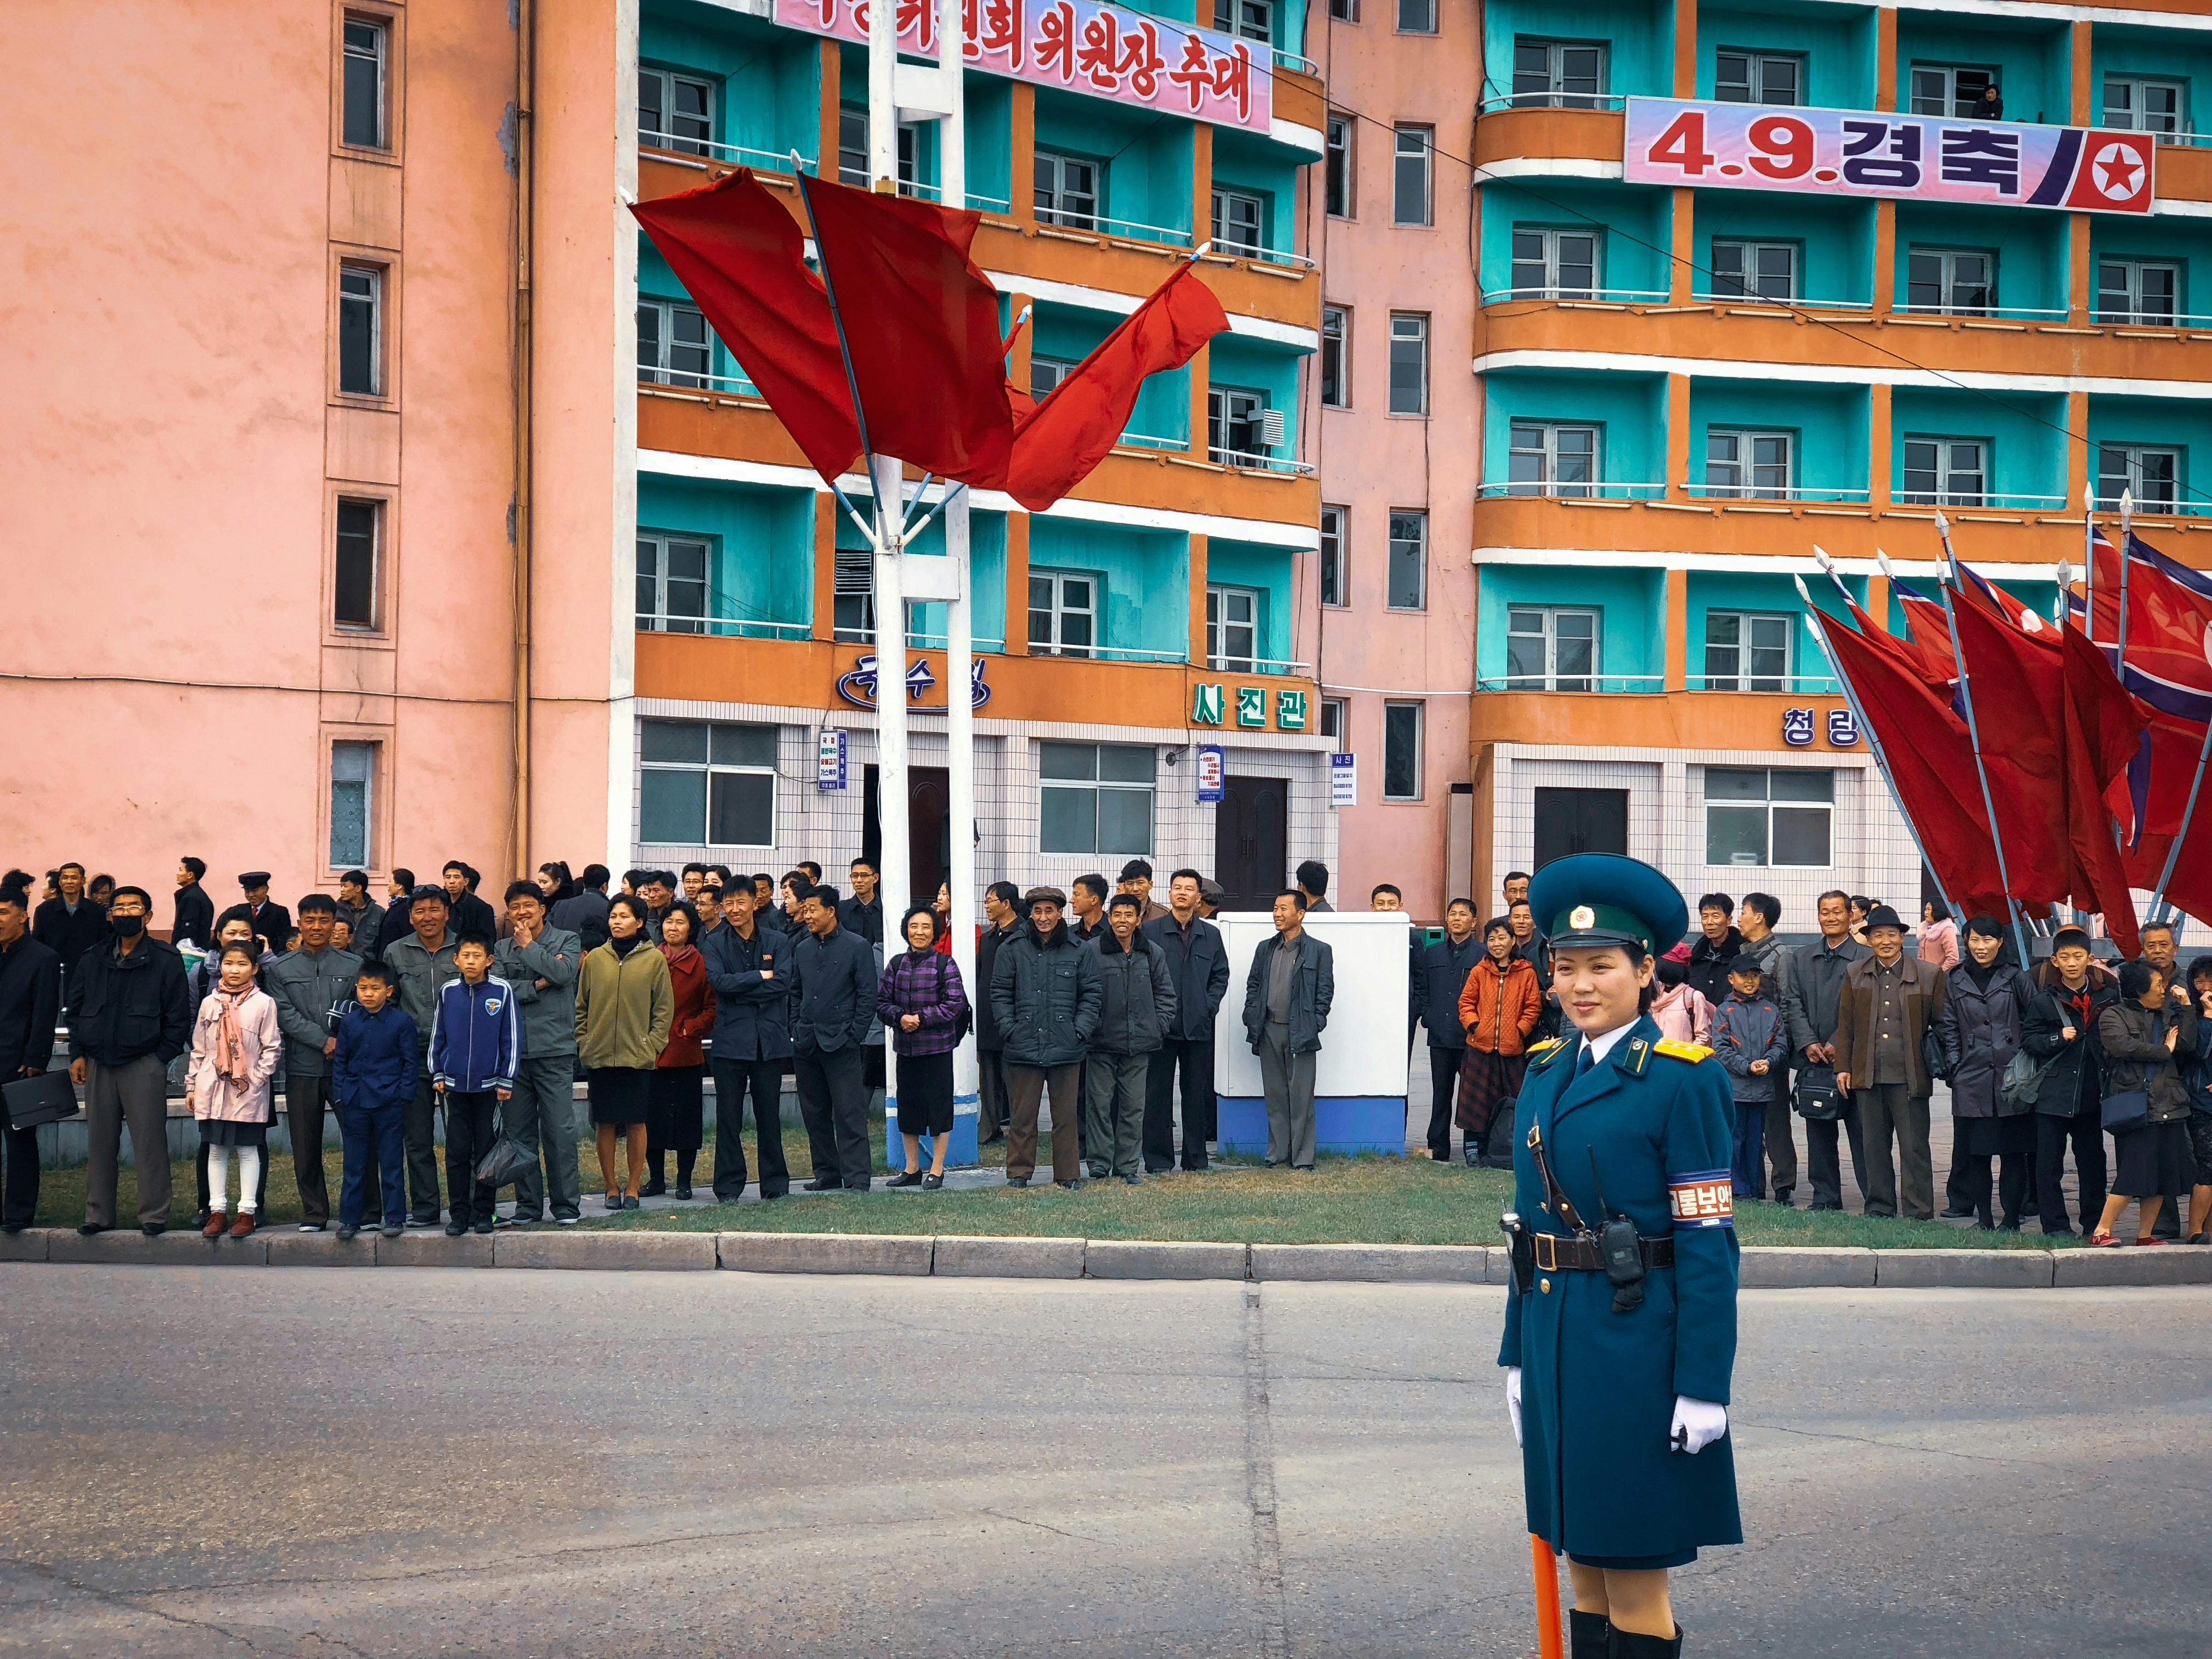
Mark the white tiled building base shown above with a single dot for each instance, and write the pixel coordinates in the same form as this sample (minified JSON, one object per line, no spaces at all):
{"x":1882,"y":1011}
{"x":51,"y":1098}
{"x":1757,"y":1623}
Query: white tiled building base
{"x":826,"y":825}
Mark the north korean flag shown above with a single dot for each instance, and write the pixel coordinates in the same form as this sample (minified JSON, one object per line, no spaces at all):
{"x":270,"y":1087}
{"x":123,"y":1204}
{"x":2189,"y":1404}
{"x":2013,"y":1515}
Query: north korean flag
{"x":2114,"y":174}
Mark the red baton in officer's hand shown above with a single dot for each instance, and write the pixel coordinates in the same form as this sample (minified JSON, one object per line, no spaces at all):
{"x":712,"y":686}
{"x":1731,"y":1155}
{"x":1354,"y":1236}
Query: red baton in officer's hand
{"x":1549,"y":1643}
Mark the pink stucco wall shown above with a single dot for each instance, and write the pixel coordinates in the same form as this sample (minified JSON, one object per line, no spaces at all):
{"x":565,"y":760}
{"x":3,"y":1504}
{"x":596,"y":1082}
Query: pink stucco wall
{"x":1371,"y":461}
{"x":174,"y":445}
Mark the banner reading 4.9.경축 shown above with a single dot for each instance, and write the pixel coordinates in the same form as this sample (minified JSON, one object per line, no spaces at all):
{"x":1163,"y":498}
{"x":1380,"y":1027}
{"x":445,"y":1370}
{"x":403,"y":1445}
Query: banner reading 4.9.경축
{"x":1833,"y":152}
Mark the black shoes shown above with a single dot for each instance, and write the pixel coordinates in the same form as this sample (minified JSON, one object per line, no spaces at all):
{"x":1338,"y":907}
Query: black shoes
{"x":154,"y":1229}
{"x":631,"y":1203}
{"x":346,"y":1233}
{"x":91,"y":1229}
{"x":683,"y":1194}
{"x":1017,"y":1180}
{"x":483,"y":1230}
{"x":1069,"y":1185}
{"x":930,"y":1184}
{"x":1953,"y":1214}
{"x":455,"y":1230}
{"x":1590,"y":1635}
{"x":910,"y":1178}
{"x":393,"y":1229}
{"x":1133,"y":1181}
{"x":825,"y":1184}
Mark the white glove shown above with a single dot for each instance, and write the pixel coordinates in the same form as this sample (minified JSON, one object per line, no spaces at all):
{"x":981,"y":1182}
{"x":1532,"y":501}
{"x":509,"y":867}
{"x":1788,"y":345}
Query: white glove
{"x":1697,"y":1423}
{"x":1513,"y":1399}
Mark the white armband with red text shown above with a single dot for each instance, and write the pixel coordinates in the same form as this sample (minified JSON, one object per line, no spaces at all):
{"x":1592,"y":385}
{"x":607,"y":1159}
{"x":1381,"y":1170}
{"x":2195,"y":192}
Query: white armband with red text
{"x":1705,"y":1198}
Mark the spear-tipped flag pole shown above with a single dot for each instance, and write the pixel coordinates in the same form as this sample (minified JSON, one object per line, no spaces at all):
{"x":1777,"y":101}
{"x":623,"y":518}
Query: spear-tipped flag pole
{"x":1858,"y":712}
{"x":2127,"y":535}
{"x":1974,"y":737}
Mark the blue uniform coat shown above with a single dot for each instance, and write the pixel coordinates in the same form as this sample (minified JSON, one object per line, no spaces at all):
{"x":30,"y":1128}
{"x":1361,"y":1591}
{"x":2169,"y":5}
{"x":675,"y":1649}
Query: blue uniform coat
{"x":1598,"y":1387}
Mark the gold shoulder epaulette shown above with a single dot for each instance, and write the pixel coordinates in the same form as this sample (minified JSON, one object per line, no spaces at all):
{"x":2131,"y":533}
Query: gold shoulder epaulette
{"x":1537,"y":1050}
{"x":1674,"y":1047}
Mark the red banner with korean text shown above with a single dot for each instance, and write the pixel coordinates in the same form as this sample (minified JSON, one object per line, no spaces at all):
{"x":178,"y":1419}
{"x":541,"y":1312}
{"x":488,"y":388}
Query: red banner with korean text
{"x":1078,"y":45}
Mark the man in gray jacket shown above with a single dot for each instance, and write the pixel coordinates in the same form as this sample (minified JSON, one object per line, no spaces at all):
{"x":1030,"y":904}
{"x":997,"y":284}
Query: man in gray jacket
{"x":1136,"y":1009}
{"x":307,"y":984}
{"x":1044,"y":996}
{"x":422,"y":961}
{"x":1815,"y":985}
{"x":541,"y":962}
{"x":1287,"y":997}
{"x":1756,"y":921}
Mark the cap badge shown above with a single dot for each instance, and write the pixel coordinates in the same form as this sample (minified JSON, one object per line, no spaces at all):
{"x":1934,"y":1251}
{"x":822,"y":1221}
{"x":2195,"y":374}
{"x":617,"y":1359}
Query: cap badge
{"x":1581,"y":916}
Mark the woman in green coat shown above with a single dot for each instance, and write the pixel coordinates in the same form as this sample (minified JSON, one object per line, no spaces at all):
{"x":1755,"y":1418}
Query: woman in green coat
{"x":625,"y":1005}
{"x":1620,"y":1336}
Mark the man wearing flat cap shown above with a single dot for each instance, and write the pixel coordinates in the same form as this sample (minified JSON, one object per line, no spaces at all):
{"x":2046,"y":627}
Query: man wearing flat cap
{"x":1045,"y":997}
{"x":270,"y":920}
{"x":1888,"y":1003}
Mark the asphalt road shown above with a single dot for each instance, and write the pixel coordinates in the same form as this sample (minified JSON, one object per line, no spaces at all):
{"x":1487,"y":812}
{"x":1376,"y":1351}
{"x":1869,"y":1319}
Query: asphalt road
{"x":231,"y":1462}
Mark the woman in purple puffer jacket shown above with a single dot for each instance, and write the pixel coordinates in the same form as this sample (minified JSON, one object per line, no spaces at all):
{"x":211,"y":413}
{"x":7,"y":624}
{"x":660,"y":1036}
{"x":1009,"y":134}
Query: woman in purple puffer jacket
{"x":920,"y":998}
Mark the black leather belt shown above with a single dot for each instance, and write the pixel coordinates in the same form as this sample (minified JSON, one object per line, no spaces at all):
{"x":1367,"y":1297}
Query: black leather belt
{"x":1555,"y":1253}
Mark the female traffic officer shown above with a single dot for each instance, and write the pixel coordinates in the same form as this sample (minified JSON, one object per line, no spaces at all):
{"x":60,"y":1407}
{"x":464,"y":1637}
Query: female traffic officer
{"x":1620,"y":1337}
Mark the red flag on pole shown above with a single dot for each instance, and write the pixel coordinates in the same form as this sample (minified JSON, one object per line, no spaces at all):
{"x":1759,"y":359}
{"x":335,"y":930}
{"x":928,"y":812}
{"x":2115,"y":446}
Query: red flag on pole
{"x":1058,"y":445}
{"x":921,"y":322}
{"x":739,"y":253}
{"x":1931,"y":763}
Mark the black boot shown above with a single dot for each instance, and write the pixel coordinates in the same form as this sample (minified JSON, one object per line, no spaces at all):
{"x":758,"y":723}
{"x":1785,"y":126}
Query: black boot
{"x":1627,"y":1644}
{"x":1590,"y":1635}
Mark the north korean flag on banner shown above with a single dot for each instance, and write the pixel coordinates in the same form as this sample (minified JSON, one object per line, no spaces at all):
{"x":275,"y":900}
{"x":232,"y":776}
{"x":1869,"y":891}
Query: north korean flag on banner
{"x":2114,"y":174}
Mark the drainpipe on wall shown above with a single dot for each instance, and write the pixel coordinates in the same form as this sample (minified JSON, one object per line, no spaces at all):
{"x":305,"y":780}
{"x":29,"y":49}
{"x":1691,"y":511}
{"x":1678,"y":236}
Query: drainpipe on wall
{"x":523,"y":14}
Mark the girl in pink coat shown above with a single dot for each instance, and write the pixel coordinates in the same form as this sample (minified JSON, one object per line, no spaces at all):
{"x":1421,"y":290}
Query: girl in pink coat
{"x":236,"y":1044}
{"x":1680,"y":1010}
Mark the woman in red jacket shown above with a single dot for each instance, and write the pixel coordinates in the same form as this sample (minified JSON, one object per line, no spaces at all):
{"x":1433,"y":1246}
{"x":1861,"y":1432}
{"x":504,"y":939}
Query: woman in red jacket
{"x":1498,"y":1008}
{"x":675,"y":1110}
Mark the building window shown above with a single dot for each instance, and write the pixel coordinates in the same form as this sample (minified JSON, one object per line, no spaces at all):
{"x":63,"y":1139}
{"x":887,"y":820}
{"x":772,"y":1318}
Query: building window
{"x":1409,"y":184}
{"x":1232,"y":628}
{"x":1344,"y":11}
{"x":1336,"y":719}
{"x":1254,"y":20}
{"x":2152,"y":476}
{"x":2141,"y":105}
{"x":1554,"y":264}
{"x":1756,"y":464}
{"x":1063,"y":613}
{"x":1240,"y":222}
{"x":1557,"y":74}
{"x":853,"y":163}
{"x":366,"y":47}
{"x":1764,"y":270}
{"x":1409,"y":560}
{"x":353,"y":789}
{"x":1046,"y":373}
{"x":353,"y":587}
{"x":361,"y":330}
{"x":1546,"y":459}
{"x":1949,"y":89}
{"x":1095,"y":797}
{"x":1551,"y":649}
{"x":673,"y":584}
{"x":1945,"y":471}
{"x":2136,"y":291}
{"x":675,"y":347}
{"x":1338,"y":166}
{"x":1757,"y":818}
{"x":1750,"y":77}
{"x":1417,"y":16}
{"x":1746,"y":651}
{"x":702,"y":784}
{"x":1409,"y":364}
{"x":1402,"y":751}
{"x":1335,"y":364}
{"x":1066,"y":191}
{"x":1240,"y":426}
{"x":1949,"y":280}
{"x":1335,"y":579}
{"x":677,"y":111}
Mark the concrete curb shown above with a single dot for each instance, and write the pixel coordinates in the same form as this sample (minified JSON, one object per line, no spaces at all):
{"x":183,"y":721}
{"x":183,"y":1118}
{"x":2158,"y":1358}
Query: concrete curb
{"x":903,"y":1254}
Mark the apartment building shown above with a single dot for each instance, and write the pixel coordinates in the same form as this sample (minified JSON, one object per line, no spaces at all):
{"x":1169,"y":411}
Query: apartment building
{"x":1749,"y":282}
{"x":394,"y":503}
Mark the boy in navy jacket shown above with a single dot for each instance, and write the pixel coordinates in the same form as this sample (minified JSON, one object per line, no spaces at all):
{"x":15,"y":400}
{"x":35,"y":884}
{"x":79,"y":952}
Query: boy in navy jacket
{"x":476,"y":1046}
{"x":372,"y":1079}
{"x":1752,"y":1040}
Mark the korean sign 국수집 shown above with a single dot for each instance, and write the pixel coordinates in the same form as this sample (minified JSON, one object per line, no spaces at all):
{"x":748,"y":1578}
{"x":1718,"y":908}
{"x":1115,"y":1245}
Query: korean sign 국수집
{"x":1102,"y":50}
{"x":1932,"y":158}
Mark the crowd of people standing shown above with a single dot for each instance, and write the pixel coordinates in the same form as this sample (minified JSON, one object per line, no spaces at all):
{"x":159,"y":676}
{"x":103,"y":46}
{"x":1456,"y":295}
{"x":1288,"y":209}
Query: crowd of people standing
{"x":1101,"y":1000}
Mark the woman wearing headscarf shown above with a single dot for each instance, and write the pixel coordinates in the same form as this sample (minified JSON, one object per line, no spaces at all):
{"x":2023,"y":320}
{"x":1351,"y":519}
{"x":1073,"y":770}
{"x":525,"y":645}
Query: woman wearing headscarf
{"x":676,"y":1109}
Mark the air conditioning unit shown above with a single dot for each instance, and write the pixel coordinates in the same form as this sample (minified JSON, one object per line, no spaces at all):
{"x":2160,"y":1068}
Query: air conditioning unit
{"x":1274,"y":428}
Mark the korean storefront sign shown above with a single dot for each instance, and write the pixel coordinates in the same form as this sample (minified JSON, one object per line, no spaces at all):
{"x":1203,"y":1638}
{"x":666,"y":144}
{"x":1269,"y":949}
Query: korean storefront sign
{"x":859,"y":687}
{"x":1212,"y":772}
{"x":1102,"y":50}
{"x":1212,"y":705}
{"x":1344,"y":780}
{"x":1799,"y":726}
{"x":1930,"y":158}
{"x":829,"y":759}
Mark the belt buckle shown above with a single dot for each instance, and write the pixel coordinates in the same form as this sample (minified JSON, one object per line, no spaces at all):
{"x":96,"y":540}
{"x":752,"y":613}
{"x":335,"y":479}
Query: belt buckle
{"x":1547,"y":1252}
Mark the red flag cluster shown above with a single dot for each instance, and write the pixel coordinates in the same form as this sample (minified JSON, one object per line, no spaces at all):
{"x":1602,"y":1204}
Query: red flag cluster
{"x":922,"y":326}
{"x":2056,"y":729}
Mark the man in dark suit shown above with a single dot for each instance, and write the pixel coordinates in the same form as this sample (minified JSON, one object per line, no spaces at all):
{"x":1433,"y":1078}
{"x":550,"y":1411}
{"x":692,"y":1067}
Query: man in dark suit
{"x":470,"y":915}
{"x":30,"y":1007}
{"x":195,"y":910}
{"x":271,"y":920}
{"x":71,"y":924}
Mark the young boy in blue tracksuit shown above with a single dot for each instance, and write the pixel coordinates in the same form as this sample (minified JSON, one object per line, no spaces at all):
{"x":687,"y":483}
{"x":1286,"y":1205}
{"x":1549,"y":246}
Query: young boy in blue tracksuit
{"x":476,"y":1046}
{"x":1752,"y":1039}
{"x":372,"y":1080}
